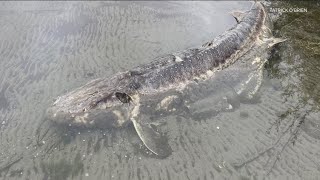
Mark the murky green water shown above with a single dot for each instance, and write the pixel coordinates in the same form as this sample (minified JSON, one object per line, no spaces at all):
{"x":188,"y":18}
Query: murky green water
{"x":49,"y":48}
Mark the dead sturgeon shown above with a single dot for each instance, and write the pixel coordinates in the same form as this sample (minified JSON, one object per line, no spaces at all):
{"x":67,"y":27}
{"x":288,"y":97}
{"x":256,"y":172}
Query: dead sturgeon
{"x":160,"y":86}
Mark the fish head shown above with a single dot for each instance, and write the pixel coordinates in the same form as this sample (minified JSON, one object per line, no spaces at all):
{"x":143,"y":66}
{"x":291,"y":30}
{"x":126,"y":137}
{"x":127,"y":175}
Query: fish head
{"x":101,"y":102}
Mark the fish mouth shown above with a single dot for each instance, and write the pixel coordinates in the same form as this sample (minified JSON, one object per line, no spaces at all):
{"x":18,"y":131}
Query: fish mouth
{"x":71,"y":119}
{"x":94,"y":118}
{"x":59,"y":116}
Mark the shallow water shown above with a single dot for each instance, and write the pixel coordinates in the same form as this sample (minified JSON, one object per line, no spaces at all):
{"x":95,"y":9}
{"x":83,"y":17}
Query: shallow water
{"x":48,"y":49}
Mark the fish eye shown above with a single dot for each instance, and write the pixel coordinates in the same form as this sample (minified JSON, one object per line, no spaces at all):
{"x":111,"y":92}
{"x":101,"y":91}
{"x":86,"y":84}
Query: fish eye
{"x":123,"y":97}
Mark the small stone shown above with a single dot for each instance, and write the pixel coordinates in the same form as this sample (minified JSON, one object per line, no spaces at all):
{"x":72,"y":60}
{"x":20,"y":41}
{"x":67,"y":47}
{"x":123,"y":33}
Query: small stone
{"x":244,"y":114}
{"x":86,"y":174}
{"x":218,"y":127}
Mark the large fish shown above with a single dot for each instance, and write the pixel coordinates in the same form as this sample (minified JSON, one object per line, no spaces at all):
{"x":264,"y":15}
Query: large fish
{"x":169,"y":82}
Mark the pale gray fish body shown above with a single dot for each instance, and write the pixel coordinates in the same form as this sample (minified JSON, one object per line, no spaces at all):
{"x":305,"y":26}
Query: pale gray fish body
{"x":168,"y":82}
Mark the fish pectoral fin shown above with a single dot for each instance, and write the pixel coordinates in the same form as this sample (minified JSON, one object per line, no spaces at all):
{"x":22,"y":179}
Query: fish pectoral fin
{"x":272,"y":41}
{"x":238,"y":15}
{"x":151,"y":138}
{"x":249,"y":88}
